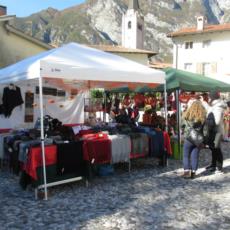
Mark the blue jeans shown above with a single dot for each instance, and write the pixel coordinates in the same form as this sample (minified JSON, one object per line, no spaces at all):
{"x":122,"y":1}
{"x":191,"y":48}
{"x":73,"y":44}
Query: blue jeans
{"x":190,"y":156}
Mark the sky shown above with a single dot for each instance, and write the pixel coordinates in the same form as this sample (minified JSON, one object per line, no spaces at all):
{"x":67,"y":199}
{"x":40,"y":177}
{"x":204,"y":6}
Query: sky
{"x":24,"y":8}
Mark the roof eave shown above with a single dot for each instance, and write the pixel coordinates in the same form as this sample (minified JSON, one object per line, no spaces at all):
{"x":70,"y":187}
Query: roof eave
{"x":119,"y":49}
{"x":27,"y":37}
{"x":132,"y":52}
{"x":7,"y":17}
{"x":194,"y":33}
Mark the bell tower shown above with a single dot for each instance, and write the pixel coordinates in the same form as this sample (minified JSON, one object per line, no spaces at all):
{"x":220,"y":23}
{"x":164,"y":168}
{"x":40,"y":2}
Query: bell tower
{"x":133,"y":27}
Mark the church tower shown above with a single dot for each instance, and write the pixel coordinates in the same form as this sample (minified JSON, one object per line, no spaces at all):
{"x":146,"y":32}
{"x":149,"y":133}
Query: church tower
{"x":133,"y":27}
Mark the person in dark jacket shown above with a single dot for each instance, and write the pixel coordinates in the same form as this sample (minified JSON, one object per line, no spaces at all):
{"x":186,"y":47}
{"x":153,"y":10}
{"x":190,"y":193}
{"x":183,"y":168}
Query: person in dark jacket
{"x":217,"y":107}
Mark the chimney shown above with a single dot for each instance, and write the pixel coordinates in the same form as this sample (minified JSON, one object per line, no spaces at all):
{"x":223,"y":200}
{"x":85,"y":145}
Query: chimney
{"x":200,"y":22}
{"x":3,"y":10}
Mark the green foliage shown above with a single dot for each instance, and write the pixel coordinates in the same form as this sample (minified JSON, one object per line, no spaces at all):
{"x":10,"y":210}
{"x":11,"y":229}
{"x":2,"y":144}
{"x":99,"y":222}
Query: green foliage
{"x":96,"y":93}
{"x":148,"y":109}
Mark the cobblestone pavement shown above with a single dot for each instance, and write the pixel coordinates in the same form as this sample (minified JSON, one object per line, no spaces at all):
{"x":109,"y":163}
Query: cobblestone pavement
{"x":147,"y":198}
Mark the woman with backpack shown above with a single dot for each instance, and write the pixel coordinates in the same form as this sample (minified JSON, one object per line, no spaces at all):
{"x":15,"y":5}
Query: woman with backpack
{"x":194,"y":118}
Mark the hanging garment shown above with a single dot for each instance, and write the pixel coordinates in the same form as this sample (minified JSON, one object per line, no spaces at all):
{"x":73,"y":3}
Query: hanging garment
{"x":11,"y":98}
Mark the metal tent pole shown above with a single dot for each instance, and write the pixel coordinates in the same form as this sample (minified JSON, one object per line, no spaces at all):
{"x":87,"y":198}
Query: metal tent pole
{"x":178,"y":109}
{"x":42,"y":136}
{"x":105,"y":105}
{"x":166,"y":108}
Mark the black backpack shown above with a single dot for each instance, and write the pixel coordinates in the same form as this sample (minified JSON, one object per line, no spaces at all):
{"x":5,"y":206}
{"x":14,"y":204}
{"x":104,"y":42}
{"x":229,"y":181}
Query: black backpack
{"x":209,"y":129}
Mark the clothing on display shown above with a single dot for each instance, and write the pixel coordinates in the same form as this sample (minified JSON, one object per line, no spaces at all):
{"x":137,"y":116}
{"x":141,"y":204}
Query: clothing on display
{"x":92,"y":147}
{"x":11,"y":98}
{"x":70,"y":158}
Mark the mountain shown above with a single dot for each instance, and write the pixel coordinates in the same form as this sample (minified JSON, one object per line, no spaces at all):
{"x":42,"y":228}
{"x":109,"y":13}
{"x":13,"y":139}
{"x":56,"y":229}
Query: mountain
{"x":99,"y":21}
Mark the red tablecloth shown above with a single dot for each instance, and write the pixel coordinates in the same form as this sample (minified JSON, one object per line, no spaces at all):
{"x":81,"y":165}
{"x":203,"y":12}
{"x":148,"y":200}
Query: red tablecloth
{"x":97,"y":148}
{"x":35,"y":159}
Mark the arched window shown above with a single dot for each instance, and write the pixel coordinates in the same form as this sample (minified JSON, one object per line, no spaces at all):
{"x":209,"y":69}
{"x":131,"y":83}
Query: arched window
{"x":129,"y":25}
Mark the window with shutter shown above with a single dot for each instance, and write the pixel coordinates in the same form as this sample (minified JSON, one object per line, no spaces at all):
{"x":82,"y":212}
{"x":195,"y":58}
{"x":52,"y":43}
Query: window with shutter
{"x":188,"y":45}
{"x":214,"y":68}
{"x":206,"y":68}
{"x":188,"y":66}
{"x":206,"y":43}
{"x":199,"y":68}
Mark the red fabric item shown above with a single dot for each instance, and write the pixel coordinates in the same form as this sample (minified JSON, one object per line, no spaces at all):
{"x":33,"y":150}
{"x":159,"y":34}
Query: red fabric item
{"x":35,"y":159}
{"x":94,"y":136}
{"x":84,"y":132}
{"x":184,"y":98}
{"x":4,"y":130}
{"x":167,"y":143}
{"x":97,"y":149}
{"x":137,"y":155}
{"x":127,"y":100}
{"x":72,"y":125}
{"x":149,"y":100}
{"x":139,"y":99}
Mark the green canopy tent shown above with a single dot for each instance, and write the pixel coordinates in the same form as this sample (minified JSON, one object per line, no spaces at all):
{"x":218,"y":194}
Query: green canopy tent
{"x":182,"y":80}
{"x":177,"y":80}
{"x":188,"y":81}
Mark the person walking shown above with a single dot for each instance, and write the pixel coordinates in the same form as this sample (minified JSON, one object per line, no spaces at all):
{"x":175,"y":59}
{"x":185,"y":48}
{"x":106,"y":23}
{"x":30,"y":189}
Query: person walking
{"x":217,"y":107}
{"x":194,"y":118}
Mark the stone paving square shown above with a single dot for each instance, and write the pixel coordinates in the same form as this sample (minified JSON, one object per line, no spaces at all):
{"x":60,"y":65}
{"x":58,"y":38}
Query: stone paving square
{"x":148,"y":198}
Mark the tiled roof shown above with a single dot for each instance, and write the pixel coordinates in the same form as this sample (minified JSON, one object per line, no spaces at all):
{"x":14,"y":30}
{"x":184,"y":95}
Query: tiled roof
{"x":207,"y":29}
{"x":120,"y":49}
{"x":6,"y":17}
{"x":159,"y":65}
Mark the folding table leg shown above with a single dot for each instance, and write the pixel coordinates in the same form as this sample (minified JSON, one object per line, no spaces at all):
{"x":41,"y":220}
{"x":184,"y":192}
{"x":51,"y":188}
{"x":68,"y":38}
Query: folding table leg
{"x":129,"y":165}
{"x":36,"y":193}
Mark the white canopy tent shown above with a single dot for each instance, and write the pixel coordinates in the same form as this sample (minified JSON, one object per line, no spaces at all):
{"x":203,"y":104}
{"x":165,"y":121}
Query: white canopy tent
{"x":81,"y":67}
{"x":74,"y":61}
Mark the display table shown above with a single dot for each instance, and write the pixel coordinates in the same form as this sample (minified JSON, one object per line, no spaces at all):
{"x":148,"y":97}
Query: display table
{"x":59,"y":170}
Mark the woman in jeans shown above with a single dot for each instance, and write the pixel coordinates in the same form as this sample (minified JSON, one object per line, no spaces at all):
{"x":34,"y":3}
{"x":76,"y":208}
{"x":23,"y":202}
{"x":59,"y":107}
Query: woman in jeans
{"x":194,"y":116}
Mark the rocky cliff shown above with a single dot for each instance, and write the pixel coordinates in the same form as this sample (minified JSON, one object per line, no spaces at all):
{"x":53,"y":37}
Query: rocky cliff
{"x":99,"y":21}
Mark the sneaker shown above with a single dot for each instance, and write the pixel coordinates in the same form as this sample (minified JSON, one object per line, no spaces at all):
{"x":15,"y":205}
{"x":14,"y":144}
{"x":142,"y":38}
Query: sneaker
{"x":219,"y":167}
{"x":186,"y":174}
{"x":212,"y":169}
{"x":219,"y":170}
{"x":209,"y":167}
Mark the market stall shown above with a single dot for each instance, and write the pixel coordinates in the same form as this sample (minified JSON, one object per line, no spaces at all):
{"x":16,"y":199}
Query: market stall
{"x":78,"y":67}
{"x":179,"y":80}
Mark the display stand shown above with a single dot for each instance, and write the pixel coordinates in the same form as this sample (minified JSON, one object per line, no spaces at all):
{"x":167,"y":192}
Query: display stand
{"x":52,"y":184}
{"x":92,"y":106}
